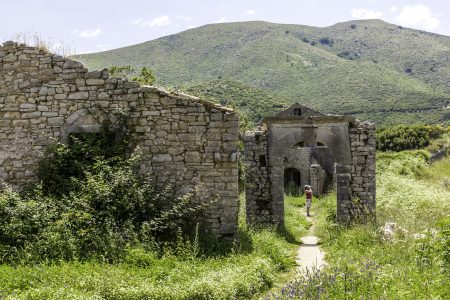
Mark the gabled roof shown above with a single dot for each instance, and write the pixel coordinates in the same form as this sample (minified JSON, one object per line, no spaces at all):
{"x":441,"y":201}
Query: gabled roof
{"x":299,"y":113}
{"x":298,"y":110}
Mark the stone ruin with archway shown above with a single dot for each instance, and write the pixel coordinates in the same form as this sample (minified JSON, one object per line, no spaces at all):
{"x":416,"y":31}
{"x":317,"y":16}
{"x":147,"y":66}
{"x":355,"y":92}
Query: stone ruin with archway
{"x":300,"y":146}
{"x":185,"y":141}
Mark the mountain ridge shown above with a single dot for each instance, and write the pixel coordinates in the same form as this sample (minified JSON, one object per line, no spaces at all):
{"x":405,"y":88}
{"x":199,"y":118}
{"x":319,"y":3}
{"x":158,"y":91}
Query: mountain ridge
{"x":367,"y":66}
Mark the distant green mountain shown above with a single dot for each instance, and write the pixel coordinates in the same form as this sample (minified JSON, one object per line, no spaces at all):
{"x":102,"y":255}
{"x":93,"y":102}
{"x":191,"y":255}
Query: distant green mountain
{"x":371,"y":69}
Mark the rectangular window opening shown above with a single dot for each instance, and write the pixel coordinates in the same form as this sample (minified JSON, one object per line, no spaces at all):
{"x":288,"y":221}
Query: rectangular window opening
{"x":262,"y":160}
{"x":297,"y":111}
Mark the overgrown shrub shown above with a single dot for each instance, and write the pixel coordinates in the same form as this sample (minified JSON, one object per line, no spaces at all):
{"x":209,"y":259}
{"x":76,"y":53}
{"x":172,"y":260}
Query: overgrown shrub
{"x":91,"y":204}
{"x":348,"y":55}
{"x":145,"y":77}
{"x":403,"y":137}
{"x":326,"y":41}
{"x":64,"y":162}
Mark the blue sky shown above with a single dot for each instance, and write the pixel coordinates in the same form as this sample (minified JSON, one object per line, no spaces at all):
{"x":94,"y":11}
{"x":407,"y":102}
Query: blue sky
{"x":96,"y":25}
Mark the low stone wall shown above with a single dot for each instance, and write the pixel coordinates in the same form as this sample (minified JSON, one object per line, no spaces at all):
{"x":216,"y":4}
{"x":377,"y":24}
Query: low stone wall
{"x":184,"y":140}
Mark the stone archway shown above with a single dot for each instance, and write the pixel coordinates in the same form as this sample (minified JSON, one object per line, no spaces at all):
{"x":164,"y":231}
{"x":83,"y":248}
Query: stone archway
{"x":87,"y":121}
{"x":292,"y":181}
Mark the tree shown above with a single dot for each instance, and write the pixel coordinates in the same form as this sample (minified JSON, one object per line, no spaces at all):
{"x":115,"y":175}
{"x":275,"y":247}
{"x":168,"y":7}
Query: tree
{"x":145,"y":76}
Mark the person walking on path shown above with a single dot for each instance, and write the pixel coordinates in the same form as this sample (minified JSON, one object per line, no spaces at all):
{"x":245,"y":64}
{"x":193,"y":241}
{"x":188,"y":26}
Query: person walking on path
{"x":309,"y":194}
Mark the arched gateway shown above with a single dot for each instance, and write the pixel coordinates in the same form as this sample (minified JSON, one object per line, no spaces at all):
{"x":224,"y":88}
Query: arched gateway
{"x":301,"y":146}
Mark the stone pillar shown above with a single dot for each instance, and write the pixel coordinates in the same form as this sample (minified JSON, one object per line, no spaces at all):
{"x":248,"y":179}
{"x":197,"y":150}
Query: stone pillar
{"x":257,"y":187}
{"x":363,"y":181}
{"x":317,"y":181}
{"x":344,"y":203}
{"x":355,"y":182}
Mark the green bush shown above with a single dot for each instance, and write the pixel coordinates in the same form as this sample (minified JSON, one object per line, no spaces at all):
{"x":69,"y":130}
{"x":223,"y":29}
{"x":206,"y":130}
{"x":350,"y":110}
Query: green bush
{"x":403,"y":137}
{"x":62,"y":163}
{"x":91,"y":204}
{"x":145,"y":77}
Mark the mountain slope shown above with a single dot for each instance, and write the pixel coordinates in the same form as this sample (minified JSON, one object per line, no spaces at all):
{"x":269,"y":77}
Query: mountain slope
{"x":359,"y":67}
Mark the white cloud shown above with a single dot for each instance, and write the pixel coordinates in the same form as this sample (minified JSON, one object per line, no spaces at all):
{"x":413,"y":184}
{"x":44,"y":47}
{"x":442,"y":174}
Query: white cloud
{"x":250,"y":12}
{"x":418,"y":16}
{"x":137,"y":21}
{"x":90,"y":33}
{"x":102,"y":47}
{"x":363,"y":13}
{"x":184,"y":18}
{"x":221,"y":20}
{"x":160,"y":21}
{"x":155,"y":22}
{"x":393,"y":9}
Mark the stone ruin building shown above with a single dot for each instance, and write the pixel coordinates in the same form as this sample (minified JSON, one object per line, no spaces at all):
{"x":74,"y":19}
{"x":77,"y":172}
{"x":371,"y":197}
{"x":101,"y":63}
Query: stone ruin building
{"x":185,"y":141}
{"x":300,"y":146}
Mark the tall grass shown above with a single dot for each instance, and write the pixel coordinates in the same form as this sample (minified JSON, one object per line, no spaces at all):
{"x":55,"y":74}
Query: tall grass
{"x":295,"y":221}
{"x":48,"y":45}
{"x":364,"y":262}
{"x":251,"y":266}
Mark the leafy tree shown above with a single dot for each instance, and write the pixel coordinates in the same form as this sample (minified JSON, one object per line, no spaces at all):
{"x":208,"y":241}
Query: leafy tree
{"x":145,"y":77}
{"x":121,"y":71}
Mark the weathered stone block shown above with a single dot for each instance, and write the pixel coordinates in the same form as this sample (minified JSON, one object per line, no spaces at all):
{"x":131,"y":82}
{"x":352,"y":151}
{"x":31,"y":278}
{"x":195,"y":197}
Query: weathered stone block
{"x":79,"y":96}
{"x":31,"y":115}
{"x":57,"y":121}
{"x":92,"y":81}
{"x":27,"y":106}
{"x":160,"y":158}
{"x":192,"y":156}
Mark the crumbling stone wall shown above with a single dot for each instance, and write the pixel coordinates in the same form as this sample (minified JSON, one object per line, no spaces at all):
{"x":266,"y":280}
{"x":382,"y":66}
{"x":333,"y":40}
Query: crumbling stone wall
{"x":184,"y":140}
{"x":356,"y":183}
{"x":363,"y":183}
{"x":257,"y":193}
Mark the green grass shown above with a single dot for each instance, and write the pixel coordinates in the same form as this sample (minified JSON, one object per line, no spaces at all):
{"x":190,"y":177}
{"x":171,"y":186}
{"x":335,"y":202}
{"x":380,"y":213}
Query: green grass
{"x":236,"y":61}
{"x":254,"y":265}
{"x":167,"y":278}
{"x":363,"y":263}
{"x":295,"y":221}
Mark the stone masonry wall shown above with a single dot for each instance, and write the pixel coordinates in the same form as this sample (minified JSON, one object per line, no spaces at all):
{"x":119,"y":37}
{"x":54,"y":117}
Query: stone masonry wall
{"x":363,"y":183}
{"x":257,"y":192}
{"x":356,"y":183}
{"x":184,"y":140}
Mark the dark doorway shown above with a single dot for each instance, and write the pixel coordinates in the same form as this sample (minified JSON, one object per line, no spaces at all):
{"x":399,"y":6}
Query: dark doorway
{"x":292,"y":181}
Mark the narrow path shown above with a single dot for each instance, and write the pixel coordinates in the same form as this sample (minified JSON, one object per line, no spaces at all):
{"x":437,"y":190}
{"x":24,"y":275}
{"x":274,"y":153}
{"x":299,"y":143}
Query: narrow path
{"x":309,"y":255}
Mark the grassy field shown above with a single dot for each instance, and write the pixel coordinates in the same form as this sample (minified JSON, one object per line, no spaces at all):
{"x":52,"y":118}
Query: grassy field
{"x":259,"y":261}
{"x":367,"y":263}
{"x":412,"y":261}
